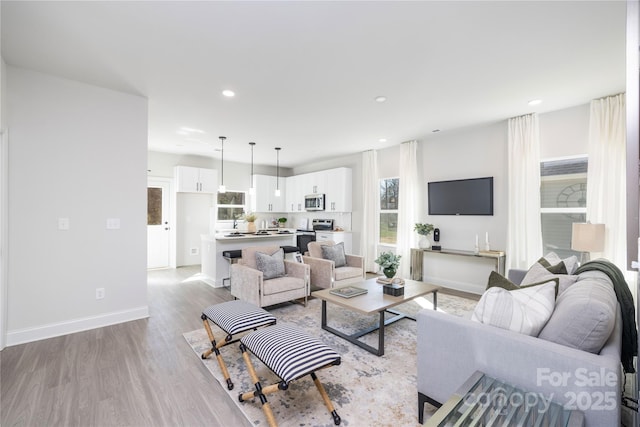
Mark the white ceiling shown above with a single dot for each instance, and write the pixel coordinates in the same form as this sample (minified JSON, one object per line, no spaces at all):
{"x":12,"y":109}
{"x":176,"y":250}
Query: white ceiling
{"x":306,"y":73}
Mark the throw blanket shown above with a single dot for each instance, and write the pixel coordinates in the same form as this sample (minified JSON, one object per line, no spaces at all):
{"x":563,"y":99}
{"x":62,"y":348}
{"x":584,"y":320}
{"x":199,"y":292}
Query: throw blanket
{"x":625,"y":299}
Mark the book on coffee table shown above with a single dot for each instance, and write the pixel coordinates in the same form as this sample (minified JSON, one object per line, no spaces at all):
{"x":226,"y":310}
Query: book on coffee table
{"x":348,"y":291}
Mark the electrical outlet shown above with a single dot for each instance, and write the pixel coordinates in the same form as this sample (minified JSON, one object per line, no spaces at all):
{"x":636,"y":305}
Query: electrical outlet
{"x":63,"y":223}
{"x":99,"y":293}
{"x":195,"y":251}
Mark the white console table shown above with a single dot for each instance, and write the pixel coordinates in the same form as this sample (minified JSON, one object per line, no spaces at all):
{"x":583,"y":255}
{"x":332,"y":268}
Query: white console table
{"x":417,"y":259}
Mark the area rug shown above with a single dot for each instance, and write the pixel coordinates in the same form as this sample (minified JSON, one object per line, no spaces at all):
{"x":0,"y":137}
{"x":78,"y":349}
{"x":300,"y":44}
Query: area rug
{"x":365,"y":389}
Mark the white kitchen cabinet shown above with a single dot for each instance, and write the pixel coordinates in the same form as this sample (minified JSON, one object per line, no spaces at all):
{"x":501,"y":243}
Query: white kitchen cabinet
{"x":295,"y":194}
{"x":336,"y":237}
{"x":265,"y":199}
{"x":195,"y":180}
{"x":315,"y":182}
{"x":338,"y":195}
{"x":335,"y":184}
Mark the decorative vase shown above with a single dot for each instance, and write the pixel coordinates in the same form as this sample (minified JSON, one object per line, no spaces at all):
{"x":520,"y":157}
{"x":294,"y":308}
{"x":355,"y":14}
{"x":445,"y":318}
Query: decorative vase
{"x":424,"y":242}
{"x":389,"y":272}
{"x":251,"y":227}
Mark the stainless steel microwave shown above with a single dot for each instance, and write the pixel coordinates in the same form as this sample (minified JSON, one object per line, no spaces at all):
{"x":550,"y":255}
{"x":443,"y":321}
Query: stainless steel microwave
{"x":314,"y":202}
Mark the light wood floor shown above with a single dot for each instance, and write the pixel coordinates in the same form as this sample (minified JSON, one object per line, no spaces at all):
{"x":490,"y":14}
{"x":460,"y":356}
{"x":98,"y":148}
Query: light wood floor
{"x":134,"y":374}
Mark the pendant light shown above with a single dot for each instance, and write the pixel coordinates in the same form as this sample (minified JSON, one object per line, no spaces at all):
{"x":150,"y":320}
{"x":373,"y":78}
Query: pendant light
{"x":222,"y":188}
{"x":252,"y":189}
{"x":277,"y":172}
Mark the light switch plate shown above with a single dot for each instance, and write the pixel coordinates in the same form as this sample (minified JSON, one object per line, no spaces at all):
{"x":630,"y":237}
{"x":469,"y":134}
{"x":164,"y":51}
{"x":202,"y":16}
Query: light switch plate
{"x":113,"y":223}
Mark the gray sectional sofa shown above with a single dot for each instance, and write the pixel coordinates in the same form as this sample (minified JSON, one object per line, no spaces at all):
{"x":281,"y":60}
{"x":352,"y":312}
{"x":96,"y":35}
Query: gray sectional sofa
{"x":586,"y":315}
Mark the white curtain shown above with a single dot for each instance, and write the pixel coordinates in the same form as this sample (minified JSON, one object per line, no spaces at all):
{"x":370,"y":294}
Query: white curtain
{"x":606,"y":176}
{"x":370,"y":203}
{"x":408,"y":206}
{"x":524,"y":233}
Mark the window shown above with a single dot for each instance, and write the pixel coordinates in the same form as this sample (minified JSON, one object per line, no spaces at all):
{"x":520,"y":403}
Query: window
{"x":389,"y":191}
{"x":154,"y":206}
{"x":231,"y":204}
{"x":563,"y":201}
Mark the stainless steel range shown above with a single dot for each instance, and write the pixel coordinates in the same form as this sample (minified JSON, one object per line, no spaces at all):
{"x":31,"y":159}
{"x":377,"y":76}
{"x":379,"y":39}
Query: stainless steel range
{"x":305,"y":236}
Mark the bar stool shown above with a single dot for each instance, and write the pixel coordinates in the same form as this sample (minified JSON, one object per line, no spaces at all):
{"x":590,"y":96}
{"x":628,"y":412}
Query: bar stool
{"x":232,"y":256}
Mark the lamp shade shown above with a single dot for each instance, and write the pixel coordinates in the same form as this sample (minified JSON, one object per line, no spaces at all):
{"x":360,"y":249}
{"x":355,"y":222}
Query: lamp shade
{"x":587,"y":237}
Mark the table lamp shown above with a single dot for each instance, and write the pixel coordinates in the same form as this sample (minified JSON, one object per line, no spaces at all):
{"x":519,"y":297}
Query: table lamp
{"x":586,"y":238}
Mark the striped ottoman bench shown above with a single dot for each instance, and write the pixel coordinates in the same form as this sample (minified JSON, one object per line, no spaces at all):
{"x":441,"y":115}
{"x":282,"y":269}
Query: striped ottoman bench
{"x":291,"y":354}
{"x":233,"y":317}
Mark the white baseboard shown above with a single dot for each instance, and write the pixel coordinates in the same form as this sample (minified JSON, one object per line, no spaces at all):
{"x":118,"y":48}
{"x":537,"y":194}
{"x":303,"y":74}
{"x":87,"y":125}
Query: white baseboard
{"x":452,"y":284}
{"x":211,"y":281}
{"x":22,"y":336}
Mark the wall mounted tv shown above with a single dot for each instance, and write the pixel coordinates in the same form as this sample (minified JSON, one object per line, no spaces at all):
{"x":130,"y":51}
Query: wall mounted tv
{"x":461,"y":197}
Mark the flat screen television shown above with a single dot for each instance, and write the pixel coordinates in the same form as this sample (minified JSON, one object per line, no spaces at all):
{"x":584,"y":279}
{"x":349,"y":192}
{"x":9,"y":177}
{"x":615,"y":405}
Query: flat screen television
{"x":461,"y":197}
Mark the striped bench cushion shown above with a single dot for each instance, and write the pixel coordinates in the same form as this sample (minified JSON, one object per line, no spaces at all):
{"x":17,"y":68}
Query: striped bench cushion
{"x":238,"y":316}
{"x":289,"y":352}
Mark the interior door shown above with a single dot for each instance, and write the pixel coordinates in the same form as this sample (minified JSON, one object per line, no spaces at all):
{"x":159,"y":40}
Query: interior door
{"x":158,"y":224}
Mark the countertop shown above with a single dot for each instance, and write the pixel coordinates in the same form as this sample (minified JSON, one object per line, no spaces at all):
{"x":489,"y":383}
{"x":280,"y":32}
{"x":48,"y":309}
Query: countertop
{"x":249,"y":236}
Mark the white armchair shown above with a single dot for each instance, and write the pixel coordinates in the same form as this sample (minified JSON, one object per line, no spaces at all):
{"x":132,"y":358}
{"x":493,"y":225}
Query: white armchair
{"x":249,"y":283}
{"x":325,"y":273}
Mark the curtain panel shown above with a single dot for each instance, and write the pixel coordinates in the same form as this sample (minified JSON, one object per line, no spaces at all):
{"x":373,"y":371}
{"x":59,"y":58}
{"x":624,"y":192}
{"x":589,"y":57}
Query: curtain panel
{"x":524,"y":233}
{"x":370,"y":203}
{"x":606,"y":175}
{"x":409,"y":204}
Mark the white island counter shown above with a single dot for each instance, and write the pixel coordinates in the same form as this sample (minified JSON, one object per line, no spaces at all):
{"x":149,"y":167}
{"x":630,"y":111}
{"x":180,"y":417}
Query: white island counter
{"x":215,"y":267}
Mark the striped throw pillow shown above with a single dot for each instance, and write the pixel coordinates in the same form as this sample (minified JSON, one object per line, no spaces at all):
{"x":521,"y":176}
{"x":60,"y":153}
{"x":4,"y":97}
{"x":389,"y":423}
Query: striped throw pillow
{"x":524,"y":310}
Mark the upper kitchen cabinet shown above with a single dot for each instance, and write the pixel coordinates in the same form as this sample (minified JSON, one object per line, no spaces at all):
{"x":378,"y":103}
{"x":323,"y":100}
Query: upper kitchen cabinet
{"x":195,"y":180}
{"x":335,"y":184}
{"x":338,"y":193}
{"x":265,"y":199}
{"x":295,"y":194}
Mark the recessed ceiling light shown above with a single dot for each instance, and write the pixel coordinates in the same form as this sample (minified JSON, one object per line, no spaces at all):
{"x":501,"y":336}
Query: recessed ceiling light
{"x":380,"y":98}
{"x":535,"y":102}
{"x":382,"y":140}
{"x":228,"y":93}
{"x":185,"y":130}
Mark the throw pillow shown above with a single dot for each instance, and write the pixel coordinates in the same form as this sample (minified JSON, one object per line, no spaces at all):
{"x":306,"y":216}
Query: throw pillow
{"x":524,"y":310}
{"x":272,"y":266}
{"x":498,"y":280}
{"x":335,"y":253}
{"x":584,"y":317}
{"x":538,"y":273}
{"x":570,"y":264}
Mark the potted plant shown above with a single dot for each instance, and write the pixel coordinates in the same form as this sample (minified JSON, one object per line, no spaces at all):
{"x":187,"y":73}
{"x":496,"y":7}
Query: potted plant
{"x":250,"y":218}
{"x":281,"y":222}
{"x":389,"y":263}
{"x":424,"y":230}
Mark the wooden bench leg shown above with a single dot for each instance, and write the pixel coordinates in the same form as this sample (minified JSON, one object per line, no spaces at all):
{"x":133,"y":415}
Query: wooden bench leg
{"x":215,"y":349}
{"x":259,"y":392}
{"x":325,"y":397}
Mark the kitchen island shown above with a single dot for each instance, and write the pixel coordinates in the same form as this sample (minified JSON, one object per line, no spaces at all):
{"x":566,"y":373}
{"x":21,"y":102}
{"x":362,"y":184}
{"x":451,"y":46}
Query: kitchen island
{"x":215,"y":267}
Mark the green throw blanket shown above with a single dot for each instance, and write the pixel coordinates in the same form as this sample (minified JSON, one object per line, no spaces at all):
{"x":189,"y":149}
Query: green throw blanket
{"x":625,"y":299}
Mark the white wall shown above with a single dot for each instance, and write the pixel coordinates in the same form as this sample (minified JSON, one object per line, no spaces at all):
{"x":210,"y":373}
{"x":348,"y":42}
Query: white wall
{"x":469,"y":153}
{"x":78,"y":152}
{"x":192,"y":220}
{"x":564,"y":133}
